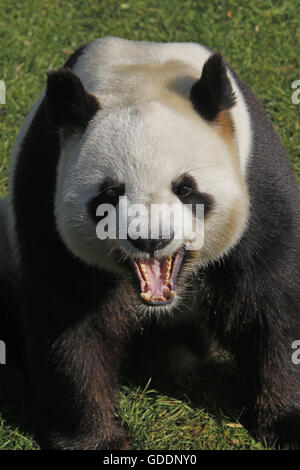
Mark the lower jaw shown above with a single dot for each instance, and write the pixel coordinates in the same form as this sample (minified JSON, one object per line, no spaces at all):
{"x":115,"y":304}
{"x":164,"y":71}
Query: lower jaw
{"x":158,"y":303}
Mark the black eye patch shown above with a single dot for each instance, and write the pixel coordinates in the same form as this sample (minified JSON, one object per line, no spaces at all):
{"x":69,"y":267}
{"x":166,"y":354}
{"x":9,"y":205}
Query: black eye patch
{"x":109,"y":193}
{"x":186,"y":189}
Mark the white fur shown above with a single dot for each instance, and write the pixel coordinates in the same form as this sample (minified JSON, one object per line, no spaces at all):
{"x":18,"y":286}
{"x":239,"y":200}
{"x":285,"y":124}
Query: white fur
{"x":100,"y":70}
{"x":147,"y":134}
{"x":138,"y":145}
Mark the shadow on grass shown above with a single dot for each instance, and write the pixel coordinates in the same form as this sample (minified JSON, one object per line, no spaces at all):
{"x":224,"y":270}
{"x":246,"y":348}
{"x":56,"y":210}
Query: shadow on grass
{"x":215,"y":387}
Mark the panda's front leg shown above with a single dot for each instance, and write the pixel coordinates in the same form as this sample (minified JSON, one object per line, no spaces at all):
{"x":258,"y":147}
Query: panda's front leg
{"x":265,"y":357}
{"x":74,"y":387}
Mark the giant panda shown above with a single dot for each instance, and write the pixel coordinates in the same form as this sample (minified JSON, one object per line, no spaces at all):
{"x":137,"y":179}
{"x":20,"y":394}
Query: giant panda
{"x":160,"y":123}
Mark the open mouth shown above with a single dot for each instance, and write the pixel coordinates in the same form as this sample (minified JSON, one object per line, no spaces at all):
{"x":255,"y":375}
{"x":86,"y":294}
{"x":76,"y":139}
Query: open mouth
{"x":157,"y":278}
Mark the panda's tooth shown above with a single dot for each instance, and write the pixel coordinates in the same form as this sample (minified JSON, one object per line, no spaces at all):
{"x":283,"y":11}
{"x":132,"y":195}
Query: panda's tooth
{"x":144,"y":271}
{"x":167,"y":293}
{"x":146,"y":295}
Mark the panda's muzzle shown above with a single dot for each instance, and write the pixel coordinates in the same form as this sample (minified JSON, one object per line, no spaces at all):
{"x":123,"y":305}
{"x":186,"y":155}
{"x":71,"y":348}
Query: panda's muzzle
{"x":150,"y":245}
{"x":157,"y":278}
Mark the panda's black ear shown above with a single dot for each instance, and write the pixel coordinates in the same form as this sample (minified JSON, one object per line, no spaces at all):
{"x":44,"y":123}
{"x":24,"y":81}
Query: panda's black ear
{"x":68,"y":104}
{"x":213,"y":92}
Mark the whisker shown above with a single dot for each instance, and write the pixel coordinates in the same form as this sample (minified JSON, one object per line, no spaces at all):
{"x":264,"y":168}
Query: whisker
{"x":201,"y":167}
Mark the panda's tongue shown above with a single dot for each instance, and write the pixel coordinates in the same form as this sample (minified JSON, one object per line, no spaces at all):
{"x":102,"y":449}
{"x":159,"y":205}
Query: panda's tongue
{"x":156,"y":277}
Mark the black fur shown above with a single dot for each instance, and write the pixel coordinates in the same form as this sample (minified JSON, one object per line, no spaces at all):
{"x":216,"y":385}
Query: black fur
{"x":77,"y":322}
{"x":103,"y":198}
{"x":72,"y":60}
{"x":69,"y":328}
{"x":252,"y":298}
{"x":212,"y":93}
{"x":68,"y":103}
{"x":195,"y":197}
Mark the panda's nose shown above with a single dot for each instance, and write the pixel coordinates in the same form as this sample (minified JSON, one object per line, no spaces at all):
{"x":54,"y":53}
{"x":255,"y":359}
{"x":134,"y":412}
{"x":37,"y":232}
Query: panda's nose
{"x":150,"y":244}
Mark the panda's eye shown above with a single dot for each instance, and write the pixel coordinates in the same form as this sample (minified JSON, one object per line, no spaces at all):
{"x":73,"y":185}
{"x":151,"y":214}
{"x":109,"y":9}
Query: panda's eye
{"x":111,"y":193}
{"x":184,"y":190}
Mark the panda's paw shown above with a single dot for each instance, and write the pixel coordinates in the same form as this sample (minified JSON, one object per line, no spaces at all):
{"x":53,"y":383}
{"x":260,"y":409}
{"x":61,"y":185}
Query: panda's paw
{"x":287,"y":431}
{"x":283,"y":433}
{"x":116,"y":441}
{"x":289,"y":445}
{"x":125,"y":446}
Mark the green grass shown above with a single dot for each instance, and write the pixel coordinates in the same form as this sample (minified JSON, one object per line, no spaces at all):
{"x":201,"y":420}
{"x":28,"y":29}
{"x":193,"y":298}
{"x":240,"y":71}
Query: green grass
{"x":261,"y":40}
{"x":201,"y":413}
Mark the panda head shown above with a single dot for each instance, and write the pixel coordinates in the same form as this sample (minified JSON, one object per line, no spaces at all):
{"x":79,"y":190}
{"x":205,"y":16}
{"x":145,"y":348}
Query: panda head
{"x":173,"y":152}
